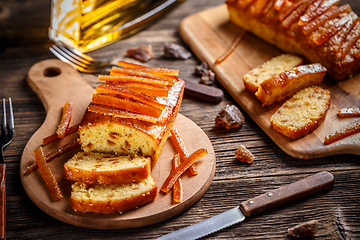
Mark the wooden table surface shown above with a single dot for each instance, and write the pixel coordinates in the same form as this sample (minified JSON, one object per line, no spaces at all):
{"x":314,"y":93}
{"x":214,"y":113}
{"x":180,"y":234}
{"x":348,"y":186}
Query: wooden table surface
{"x":337,"y":210}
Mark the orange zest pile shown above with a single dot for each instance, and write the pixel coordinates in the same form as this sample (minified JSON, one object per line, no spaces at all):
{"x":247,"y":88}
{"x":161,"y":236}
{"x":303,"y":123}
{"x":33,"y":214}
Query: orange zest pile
{"x":342,"y":133}
{"x":137,"y":92}
{"x":177,"y":188}
{"x":177,"y":172}
{"x":181,"y":149}
{"x":65,"y":120}
{"x":47,"y":175}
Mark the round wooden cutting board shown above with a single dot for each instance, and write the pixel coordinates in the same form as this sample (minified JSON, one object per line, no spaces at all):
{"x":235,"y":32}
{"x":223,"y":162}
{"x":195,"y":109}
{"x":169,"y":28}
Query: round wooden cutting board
{"x":56,"y":82}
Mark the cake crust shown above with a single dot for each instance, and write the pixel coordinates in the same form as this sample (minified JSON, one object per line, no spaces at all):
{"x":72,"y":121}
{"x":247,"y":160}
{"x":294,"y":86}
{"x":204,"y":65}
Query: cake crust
{"x":97,"y":168}
{"x":302,"y":113}
{"x":112,"y":198}
{"x":330,"y":38}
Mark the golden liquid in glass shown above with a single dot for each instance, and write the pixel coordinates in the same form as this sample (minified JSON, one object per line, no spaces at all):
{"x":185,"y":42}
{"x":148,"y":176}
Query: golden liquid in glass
{"x":87,"y":25}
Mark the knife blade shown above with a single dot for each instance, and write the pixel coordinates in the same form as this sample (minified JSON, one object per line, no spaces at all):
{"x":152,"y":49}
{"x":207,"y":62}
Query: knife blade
{"x":301,"y":188}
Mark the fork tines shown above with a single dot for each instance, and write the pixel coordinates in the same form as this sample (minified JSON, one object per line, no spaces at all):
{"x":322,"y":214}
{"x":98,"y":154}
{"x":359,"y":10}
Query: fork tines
{"x":7,"y":130}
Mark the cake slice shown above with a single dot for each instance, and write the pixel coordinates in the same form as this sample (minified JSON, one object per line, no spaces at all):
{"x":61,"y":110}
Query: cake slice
{"x":114,"y":134}
{"x":272,"y":67}
{"x":302,"y":113}
{"x":112,"y":198}
{"x":98,"y":168}
{"x":284,"y":85}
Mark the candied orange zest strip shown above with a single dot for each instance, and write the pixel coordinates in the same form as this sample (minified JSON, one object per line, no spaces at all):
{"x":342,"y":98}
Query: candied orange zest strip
{"x":181,"y":149}
{"x":127,"y":78}
{"x":349,"y":112}
{"x":65,"y":120}
{"x":177,"y":188}
{"x":53,"y":155}
{"x":332,"y":30}
{"x":109,"y":88}
{"x":129,"y":65}
{"x":278,"y":4}
{"x":47,"y":175}
{"x":149,"y":91}
{"x":231,"y":48}
{"x":294,"y":15}
{"x":102,"y":109}
{"x":311,"y":13}
{"x":55,"y":136}
{"x":342,"y":133}
{"x":330,"y":14}
{"x":174,"y":175}
{"x":140,"y":72}
{"x":136,"y":107}
{"x":287,"y":9}
{"x":158,"y":71}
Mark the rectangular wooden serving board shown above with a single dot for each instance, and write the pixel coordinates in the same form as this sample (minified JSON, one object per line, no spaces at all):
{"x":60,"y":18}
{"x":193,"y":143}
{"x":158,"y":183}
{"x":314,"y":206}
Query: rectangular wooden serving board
{"x":210,"y":33}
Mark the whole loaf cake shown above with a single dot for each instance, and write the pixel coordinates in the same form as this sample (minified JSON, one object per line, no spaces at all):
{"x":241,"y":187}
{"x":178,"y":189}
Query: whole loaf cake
{"x":319,"y":30}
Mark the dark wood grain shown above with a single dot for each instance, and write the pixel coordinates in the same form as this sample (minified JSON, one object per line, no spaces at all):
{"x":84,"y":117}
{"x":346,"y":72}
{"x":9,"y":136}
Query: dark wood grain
{"x":337,"y":210}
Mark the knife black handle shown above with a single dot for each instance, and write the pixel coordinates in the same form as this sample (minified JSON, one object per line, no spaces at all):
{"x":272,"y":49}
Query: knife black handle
{"x":309,"y":185}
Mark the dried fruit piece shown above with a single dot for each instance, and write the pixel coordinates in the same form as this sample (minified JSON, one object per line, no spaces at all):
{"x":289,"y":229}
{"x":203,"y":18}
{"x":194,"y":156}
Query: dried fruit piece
{"x":181,"y":149}
{"x":349,"y":112}
{"x":229,"y":117}
{"x":65,"y":120}
{"x":208,"y":78}
{"x":131,"y":106}
{"x":231,"y":48}
{"x":342,"y":133}
{"x":175,"y":51}
{"x":200,"y":69}
{"x":177,"y":188}
{"x":306,"y":229}
{"x":244,"y":155}
{"x":47,"y":175}
{"x":53,"y":155}
{"x":142,"y":53}
{"x":174,"y":175}
{"x":55,"y":136}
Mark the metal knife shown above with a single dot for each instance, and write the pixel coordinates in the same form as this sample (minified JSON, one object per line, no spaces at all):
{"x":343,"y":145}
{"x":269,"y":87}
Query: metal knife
{"x":303,"y":187}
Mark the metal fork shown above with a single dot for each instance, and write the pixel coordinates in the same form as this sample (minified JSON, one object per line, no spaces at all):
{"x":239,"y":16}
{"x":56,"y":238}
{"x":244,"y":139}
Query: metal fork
{"x":80,"y":61}
{"x":7,"y":132}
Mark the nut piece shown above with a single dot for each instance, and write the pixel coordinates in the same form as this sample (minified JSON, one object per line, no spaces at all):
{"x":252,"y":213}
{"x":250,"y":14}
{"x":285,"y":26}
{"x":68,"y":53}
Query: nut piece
{"x":229,"y":117}
{"x":201,"y":69}
{"x":244,"y":155}
{"x":306,"y":229}
{"x":143,"y":53}
{"x":208,"y":78}
{"x":175,"y":51}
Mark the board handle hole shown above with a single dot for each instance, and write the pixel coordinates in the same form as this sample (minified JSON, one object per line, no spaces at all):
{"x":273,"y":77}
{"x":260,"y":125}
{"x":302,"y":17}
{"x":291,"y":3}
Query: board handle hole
{"x":52,"y":72}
